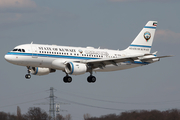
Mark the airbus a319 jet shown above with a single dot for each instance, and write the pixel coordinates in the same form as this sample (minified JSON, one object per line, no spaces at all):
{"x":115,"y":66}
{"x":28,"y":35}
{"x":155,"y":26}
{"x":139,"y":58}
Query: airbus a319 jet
{"x":41,"y":59}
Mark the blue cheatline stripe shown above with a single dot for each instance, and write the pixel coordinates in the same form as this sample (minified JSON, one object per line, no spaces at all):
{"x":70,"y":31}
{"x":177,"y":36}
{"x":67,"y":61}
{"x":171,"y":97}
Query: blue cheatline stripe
{"x":48,"y":55}
{"x":140,"y":46}
{"x":149,"y":27}
{"x":36,"y":71}
{"x":137,"y":62}
{"x":15,"y":53}
{"x":72,"y":68}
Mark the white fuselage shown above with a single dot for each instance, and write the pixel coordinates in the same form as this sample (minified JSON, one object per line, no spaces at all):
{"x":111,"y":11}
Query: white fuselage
{"x":55,"y":57}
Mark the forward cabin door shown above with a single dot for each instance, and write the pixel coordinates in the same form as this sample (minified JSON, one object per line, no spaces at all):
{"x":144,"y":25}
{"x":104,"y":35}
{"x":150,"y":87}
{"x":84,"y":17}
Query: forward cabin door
{"x":34,"y":51}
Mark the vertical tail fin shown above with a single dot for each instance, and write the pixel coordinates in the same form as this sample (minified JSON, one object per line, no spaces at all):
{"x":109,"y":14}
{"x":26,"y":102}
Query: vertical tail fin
{"x":143,"y":42}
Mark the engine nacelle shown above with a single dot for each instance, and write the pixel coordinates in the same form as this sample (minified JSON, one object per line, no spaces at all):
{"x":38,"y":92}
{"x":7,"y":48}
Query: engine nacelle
{"x":41,"y":71}
{"x":75,"y":68}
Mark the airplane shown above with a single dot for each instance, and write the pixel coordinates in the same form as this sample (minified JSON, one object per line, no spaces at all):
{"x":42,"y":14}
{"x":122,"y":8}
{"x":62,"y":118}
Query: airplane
{"x":41,"y":59}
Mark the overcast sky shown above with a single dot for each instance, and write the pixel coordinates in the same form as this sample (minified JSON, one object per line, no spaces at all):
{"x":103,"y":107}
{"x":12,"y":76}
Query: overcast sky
{"x":110,"y":24}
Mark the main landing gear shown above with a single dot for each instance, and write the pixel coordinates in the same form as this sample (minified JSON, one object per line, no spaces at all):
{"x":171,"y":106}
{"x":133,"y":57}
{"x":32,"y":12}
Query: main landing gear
{"x":67,"y":78}
{"x":91,"y":79}
{"x":28,"y":76}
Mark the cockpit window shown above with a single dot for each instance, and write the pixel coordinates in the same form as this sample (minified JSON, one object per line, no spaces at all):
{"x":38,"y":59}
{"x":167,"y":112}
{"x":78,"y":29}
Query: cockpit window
{"x":18,"y":50}
{"x":15,"y":50}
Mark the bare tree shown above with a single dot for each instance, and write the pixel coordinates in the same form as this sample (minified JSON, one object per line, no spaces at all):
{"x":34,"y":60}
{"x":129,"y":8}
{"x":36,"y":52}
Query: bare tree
{"x":19,"y":116}
{"x":36,"y":113}
{"x":59,"y":117}
{"x":87,"y":116}
{"x":68,"y":117}
{"x":3,"y":116}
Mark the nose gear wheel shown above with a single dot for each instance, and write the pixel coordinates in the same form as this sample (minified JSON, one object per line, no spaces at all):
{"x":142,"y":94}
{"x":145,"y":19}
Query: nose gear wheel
{"x":28,"y":76}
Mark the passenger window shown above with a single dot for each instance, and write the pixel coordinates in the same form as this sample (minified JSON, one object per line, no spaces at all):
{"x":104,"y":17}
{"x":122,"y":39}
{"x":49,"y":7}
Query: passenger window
{"x":19,"y":50}
{"x":23,"y":50}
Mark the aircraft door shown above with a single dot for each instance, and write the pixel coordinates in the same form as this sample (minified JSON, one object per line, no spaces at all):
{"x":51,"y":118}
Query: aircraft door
{"x":34,"y":51}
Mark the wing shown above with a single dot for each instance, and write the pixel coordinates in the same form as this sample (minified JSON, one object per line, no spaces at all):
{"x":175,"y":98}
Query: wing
{"x":103,"y":62}
{"x":100,"y":63}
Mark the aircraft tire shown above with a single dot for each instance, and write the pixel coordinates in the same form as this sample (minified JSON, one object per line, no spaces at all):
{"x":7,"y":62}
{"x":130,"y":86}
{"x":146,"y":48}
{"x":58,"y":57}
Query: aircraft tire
{"x":27,"y":76}
{"x":67,"y":79}
{"x":88,"y":79}
{"x":91,"y":79}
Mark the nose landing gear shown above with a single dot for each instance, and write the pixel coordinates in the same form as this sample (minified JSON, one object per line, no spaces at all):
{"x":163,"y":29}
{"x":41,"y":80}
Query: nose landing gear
{"x":28,"y":76}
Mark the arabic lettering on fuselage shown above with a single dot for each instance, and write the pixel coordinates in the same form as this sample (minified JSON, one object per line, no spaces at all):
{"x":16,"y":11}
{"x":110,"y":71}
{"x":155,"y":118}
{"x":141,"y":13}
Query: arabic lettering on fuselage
{"x":96,"y":52}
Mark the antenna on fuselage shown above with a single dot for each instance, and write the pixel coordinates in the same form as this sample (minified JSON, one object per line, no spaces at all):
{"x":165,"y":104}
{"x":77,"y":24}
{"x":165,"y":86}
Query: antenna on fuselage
{"x":32,"y":42}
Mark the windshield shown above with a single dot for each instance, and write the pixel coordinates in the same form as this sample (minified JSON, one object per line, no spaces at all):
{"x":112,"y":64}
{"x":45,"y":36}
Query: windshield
{"x":18,"y":50}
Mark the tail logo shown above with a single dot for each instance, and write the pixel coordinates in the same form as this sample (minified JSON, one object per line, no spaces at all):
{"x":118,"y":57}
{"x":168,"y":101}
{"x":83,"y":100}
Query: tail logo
{"x":147,"y":36}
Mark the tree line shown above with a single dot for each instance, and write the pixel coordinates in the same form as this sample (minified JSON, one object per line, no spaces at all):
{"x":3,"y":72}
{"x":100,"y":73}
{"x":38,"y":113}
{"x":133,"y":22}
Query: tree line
{"x":173,"y":114}
{"x":36,"y":113}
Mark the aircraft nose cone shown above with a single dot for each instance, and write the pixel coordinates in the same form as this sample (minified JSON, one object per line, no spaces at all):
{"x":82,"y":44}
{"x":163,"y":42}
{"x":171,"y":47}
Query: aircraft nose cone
{"x":7,"y":57}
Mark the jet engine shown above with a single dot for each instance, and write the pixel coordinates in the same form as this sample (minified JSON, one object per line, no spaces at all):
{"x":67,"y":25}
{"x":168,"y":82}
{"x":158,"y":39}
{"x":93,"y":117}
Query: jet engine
{"x":75,"y":68}
{"x":41,"y":71}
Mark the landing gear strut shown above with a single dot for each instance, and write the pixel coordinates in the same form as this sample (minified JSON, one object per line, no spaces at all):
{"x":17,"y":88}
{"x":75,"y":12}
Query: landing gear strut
{"x":28,"y":76}
{"x":91,"y":78}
